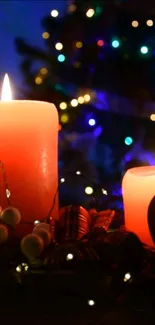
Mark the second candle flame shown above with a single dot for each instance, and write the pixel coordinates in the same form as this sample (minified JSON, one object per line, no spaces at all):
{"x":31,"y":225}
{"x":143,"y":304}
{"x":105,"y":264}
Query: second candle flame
{"x":6,"y":94}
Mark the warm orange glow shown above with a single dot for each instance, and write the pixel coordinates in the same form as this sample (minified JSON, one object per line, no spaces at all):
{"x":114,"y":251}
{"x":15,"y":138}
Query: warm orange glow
{"x":138,"y":188}
{"x":28,"y":150}
{"x":6,"y":89}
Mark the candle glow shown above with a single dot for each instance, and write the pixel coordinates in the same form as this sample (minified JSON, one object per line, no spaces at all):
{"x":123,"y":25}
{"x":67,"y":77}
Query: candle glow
{"x":6,"y":89}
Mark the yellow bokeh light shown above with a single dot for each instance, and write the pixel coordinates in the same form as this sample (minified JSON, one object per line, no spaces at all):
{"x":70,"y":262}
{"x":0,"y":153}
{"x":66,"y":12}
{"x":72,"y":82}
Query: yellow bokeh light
{"x":43,"y":71}
{"x":149,"y":23}
{"x":59,"y":46}
{"x":74,"y":102}
{"x":152,"y":117}
{"x":72,"y":8}
{"x":45,"y":35}
{"x":80,"y":100}
{"x":86,"y":97}
{"x":38,"y":80}
{"x":63,"y":105}
{"x":64,"y":118}
{"x":135,"y":23}
{"x":90,"y":13}
{"x":54,"y":13}
{"x":79,"y":45}
{"x":89,"y":190}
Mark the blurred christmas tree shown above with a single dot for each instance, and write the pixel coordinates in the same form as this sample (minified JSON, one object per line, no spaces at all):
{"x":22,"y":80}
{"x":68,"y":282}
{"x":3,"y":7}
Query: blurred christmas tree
{"x":98,"y":59}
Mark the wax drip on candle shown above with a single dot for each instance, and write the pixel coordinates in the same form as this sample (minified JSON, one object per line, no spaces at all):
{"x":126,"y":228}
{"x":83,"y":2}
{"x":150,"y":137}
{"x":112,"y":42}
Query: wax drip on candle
{"x":7,"y":191}
{"x":6,"y":89}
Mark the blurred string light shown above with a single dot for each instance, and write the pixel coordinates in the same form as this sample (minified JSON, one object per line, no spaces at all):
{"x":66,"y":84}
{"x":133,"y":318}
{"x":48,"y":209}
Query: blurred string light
{"x":74,"y":102}
{"x":43,"y":71}
{"x":135,"y":23}
{"x":79,"y":45}
{"x":54,"y":13}
{"x":45,"y":35}
{"x":61,"y":58}
{"x":91,"y":122}
{"x":59,"y":46}
{"x":149,"y":22}
{"x":104,"y":191}
{"x":63,"y":105}
{"x":127,"y":277}
{"x":115,"y":43}
{"x":98,"y":10}
{"x":128,"y":141}
{"x":71,"y":8}
{"x":78,"y":172}
{"x":69,"y":257}
{"x":91,"y":302}
{"x":100,"y":43}
{"x":62,"y":180}
{"x":89,"y":190}
{"x":152,"y":117}
{"x":144,"y":49}
{"x":86,"y":97}
{"x":90,"y":13}
{"x":80,"y":100}
{"x":38,"y":80}
{"x":64,"y":118}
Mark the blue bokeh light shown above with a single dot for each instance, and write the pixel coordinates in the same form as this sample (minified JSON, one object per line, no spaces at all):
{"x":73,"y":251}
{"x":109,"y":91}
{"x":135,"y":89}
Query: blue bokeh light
{"x":115,"y":43}
{"x":128,"y":141}
{"x":61,"y":58}
{"x":92,"y":122}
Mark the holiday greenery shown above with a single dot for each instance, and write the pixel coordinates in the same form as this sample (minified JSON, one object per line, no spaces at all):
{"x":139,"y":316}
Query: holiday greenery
{"x":97,"y":67}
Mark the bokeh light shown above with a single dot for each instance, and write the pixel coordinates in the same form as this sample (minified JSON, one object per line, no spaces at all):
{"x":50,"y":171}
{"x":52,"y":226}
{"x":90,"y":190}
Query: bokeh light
{"x":90,"y":13}
{"x":71,"y":8}
{"x":74,"y":102}
{"x":63,"y":105}
{"x":127,"y":277}
{"x":86,"y":97}
{"x":64,"y":118}
{"x":144,"y":49}
{"x":38,"y":80}
{"x":89,"y":190}
{"x":100,"y":42}
{"x":45,"y":35}
{"x":62,"y":180}
{"x":91,"y":122}
{"x":91,"y":302}
{"x":54,"y":13}
{"x":59,"y":46}
{"x":79,"y":45}
{"x":69,"y":257}
{"x":43,"y":71}
{"x":152,"y":117}
{"x":61,"y":58}
{"x":80,"y":100}
{"x":115,"y":43}
{"x":135,"y":23}
{"x":149,"y":22}
{"x":128,"y":141}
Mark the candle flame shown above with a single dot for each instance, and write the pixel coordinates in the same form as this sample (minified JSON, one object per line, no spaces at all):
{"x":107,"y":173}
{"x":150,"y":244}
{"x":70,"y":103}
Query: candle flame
{"x":6,"y":89}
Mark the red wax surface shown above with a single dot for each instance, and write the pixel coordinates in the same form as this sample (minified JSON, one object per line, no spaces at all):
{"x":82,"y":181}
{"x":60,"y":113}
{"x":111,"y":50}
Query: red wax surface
{"x":29,"y":152}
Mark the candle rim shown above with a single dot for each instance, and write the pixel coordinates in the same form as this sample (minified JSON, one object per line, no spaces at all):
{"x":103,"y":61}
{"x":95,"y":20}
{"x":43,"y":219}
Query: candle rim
{"x":142,"y":171}
{"x":26,"y":101}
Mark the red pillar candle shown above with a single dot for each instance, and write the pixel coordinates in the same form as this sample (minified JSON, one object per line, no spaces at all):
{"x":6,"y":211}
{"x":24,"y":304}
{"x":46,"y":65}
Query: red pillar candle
{"x":138,"y":188}
{"x":28,"y":150}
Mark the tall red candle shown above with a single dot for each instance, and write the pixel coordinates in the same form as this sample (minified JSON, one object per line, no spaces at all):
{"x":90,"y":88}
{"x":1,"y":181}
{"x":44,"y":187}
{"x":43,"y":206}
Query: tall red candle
{"x":29,"y":152}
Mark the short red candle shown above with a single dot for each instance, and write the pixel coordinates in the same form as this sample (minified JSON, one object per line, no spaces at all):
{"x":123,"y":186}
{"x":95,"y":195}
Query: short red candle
{"x":29,"y":152}
{"x":138,"y":189}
